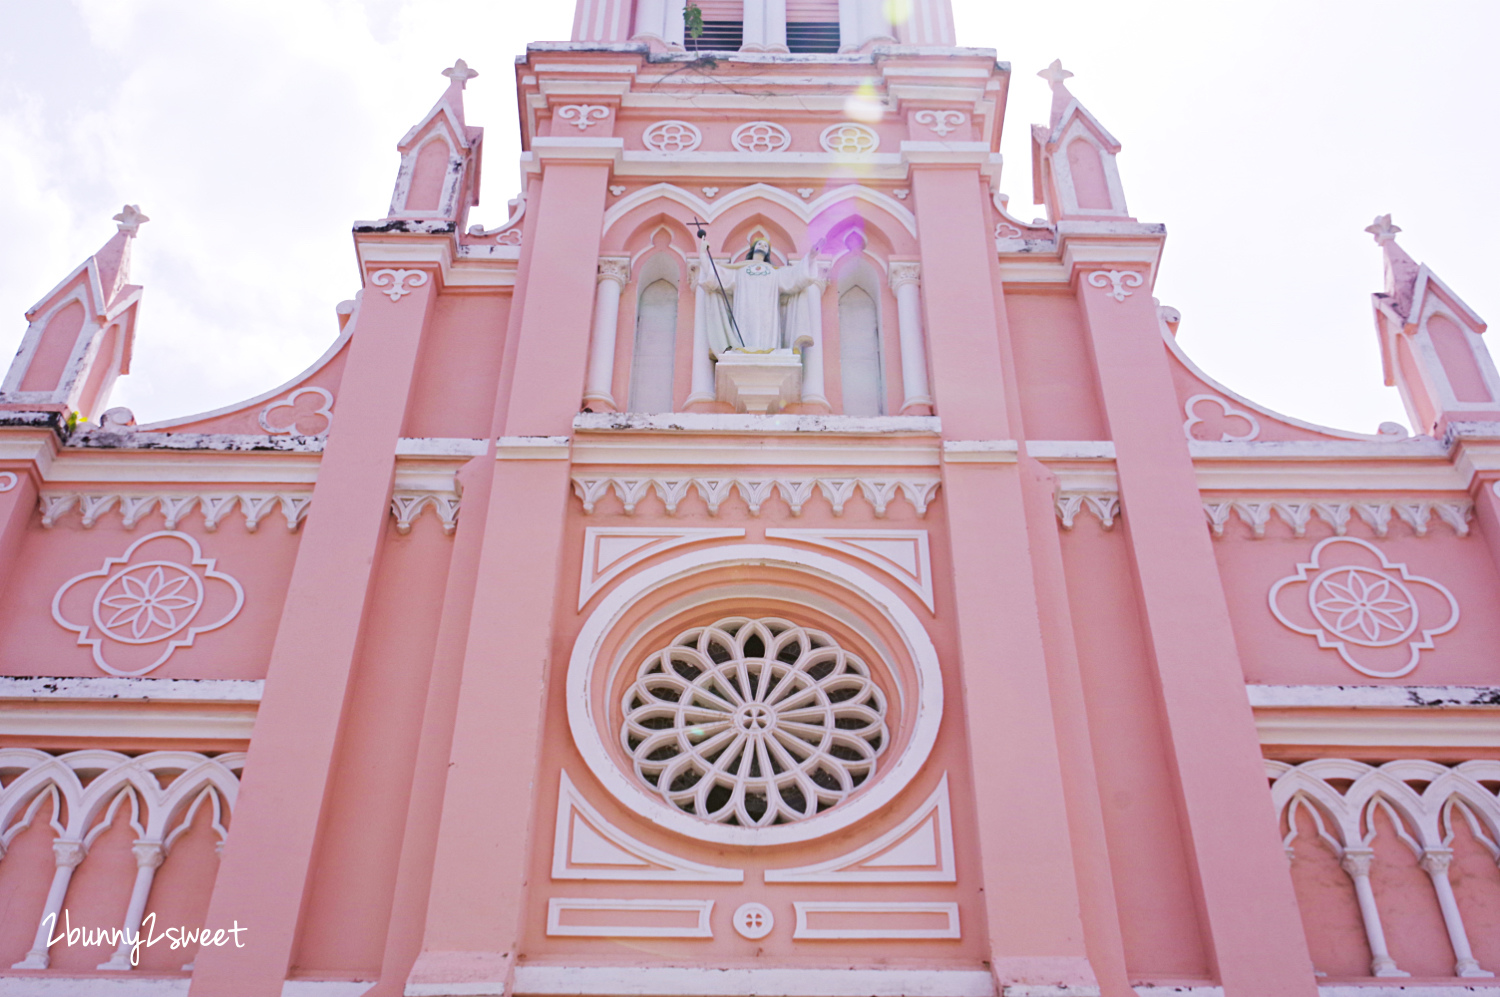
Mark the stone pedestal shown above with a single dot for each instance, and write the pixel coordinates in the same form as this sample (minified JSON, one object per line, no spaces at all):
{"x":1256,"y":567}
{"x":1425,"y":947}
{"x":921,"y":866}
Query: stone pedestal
{"x":759,"y":383}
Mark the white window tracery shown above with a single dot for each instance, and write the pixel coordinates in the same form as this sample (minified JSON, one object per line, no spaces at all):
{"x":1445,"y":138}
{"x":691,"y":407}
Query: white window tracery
{"x":672,"y":136}
{"x":849,"y":137}
{"x":754,"y":722}
{"x":761,"y":136}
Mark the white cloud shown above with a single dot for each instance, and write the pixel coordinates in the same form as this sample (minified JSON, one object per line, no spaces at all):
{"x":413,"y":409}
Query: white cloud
{"x":1265,"y":136}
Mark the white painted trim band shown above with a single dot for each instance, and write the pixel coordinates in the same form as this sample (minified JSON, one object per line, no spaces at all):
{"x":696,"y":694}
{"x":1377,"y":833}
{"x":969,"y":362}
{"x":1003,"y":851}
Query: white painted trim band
{"x":532,"y":448}
{"x":674,"y":981}
{"x":1373,"y":696}
{"x":981,"y":451}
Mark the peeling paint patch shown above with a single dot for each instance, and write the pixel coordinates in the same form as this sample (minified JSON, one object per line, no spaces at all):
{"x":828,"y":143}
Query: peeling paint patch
{"x":236,"y":442}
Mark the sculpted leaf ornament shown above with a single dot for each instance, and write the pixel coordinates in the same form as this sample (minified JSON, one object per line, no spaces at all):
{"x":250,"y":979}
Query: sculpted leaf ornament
{"x":1355,"y":601}
{"x":1117,"y":280}
{"x":397,"y":284}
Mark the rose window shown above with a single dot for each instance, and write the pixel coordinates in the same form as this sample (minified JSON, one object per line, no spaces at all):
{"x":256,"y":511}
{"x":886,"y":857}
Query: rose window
{"x":761,"y":136}
{"x":754,"y":722}
{"x":672,"y":136}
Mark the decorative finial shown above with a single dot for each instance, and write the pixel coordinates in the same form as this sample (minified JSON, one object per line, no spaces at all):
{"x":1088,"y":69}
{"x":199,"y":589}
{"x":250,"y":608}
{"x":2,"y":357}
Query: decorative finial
{"x":1383,"y":230}
{"x":1055,"y":73}
{"x":130,"y":218}
{"x":460,"y":73}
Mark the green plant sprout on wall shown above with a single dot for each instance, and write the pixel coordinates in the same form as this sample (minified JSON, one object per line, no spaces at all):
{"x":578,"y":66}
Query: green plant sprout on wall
{"x":692,"y":19}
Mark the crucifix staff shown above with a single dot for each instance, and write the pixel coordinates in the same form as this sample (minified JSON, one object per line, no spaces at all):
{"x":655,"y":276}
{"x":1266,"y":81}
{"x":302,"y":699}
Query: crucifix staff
{"x":728,"y":306}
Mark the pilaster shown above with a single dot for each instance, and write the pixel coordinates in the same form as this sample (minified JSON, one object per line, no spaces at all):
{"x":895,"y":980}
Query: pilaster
{"x":1025,"y":850}
{"x":1244,"y":885}
{"x":477,"y":904}
{"x":264,"y":871}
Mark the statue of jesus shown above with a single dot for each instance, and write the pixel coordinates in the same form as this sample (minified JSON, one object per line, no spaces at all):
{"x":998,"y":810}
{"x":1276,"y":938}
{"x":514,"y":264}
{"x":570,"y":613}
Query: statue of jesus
{"x":755,"y":290}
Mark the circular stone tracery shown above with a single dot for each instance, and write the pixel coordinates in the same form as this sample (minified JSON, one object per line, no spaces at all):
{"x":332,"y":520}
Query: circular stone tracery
{"x":754,"y":722}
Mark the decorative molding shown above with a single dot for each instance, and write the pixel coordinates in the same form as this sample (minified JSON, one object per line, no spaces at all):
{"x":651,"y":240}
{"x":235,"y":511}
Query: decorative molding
{"x":1117,"y":280}
{"x":806,"y":192}
{"x":1423,"y":802}
{"x":115,"y":689}
{"x":1104,"y":505}
{"x":401,"y":282}
{"x":8,"y":480}
{"x":532,"y":448}
{"x":586,"y":846}
{"x":753,"y":920}
{"x":761,"y":136}
{"x":696,"y":910}
{"x":152,"y":602}
{"x":158,"y":814}
{"x":174,"y":508}
{"x":1229,"y":412}
{"x":902,"y":193}
{"x":981,"y":451}
{"x":290,"y":402}
{"x":796,"y":492}
{"x":918,"y":850}
{"x":1427,"y":697}
{"x":849,"y":138}
{"x":682,"y":981}
{"x":672,"y":136}
{"x":406,"y":506}
{"x":1417,"y":514}
{"x":710,"y":192}
{"x":878,"y":912}
{"x":616,"y":189}
{"x":902,"y":554}
{"x":614,"y":268}
{"x":583,"y":116}
{"x":609,"y":551}
{"x":1365,"y":602}
{"x":941,"y":122}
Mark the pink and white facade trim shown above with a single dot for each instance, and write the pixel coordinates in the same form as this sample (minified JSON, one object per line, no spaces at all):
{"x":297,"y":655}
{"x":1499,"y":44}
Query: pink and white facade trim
{"x":761,"y":565}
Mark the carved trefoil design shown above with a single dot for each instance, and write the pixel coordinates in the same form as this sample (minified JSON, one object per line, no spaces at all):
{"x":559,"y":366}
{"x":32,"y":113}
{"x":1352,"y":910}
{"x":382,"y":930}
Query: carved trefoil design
{"x":138,"y":608}
{"x":1199,"y":409}
{"x":304,"y":412}
{"x":1376,"y":613}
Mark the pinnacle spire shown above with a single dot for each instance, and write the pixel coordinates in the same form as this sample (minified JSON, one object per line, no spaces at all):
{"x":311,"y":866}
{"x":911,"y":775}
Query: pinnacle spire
{"x":1400,"y":269}
{"x":1055,"y":75}
{"x":113,"y":258}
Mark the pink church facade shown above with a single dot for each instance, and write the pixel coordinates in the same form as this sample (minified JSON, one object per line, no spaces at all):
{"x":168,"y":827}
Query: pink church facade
{"x":865,"y":596}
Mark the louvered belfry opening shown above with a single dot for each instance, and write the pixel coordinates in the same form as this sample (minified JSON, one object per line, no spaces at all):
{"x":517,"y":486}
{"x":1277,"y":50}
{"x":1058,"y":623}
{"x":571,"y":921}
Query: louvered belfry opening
{"x":723,"y":26}
{"x":812,"y":26}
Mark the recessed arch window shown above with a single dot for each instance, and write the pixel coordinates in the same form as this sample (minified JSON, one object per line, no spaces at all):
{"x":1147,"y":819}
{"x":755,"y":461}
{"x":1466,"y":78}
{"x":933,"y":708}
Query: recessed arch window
{"x":651,"y":369}
{"x":860,"y":368}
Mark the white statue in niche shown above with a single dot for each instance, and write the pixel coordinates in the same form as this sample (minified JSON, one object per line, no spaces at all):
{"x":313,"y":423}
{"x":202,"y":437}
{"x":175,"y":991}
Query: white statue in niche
{"x":768,"y":316}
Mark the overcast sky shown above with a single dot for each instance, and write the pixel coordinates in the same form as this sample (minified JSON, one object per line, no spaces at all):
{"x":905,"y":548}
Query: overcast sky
{"x":1265,"y":134}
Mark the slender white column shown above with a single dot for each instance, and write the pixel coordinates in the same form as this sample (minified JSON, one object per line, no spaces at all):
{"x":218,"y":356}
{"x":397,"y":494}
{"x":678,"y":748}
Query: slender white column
{"x":904,"y":279}
{"x":148,"y":858}
{"x":660,"y":20}
{"x":613,"y":274}
{"x":68,"y":855}
{"x":812,"y":348}
{"x":1356,"y":862}
{"x":765,"y":26}
{"x":1435,"y":862}
{"x":703,"y":363}
{"x":861,"y":22}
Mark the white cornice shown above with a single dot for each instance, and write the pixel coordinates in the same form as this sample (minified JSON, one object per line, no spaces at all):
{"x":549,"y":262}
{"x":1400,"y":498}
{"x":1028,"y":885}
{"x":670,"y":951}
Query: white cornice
{"x":153,"y":467}
{"x":1383,"y":697}
{"x":1369,"y":728}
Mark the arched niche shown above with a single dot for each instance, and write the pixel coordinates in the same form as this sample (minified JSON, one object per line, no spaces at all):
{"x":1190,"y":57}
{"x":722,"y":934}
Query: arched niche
{"x":857,"y":284}
{"x":654,"y":349}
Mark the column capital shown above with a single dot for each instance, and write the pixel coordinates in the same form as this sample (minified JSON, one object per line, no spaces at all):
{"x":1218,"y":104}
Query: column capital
{"x":69,"y":853}
{"x":1356,"y":861}
{"x":902,"y":274}
{"x":1435,"y":861}
{"x":615,"y":268}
